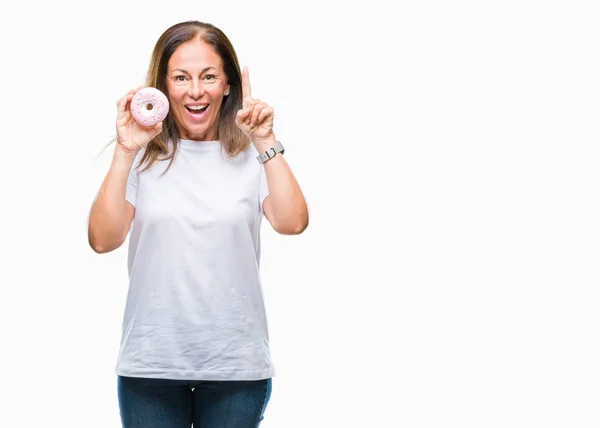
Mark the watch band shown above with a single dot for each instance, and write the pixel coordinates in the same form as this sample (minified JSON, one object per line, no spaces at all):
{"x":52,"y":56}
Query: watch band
{"x":269,"y":153}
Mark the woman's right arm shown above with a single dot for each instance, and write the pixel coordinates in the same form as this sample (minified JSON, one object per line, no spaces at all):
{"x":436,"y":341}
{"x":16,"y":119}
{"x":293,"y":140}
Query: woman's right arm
{"x":111,"y":215}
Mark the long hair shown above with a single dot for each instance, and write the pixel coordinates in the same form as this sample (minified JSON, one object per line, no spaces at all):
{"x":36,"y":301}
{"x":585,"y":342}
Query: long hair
{"x":233,"y":140}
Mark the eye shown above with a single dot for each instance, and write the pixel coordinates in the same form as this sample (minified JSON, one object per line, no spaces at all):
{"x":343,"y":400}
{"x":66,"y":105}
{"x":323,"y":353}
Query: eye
{"x":180,"y":78}
{"x":210,"y":77}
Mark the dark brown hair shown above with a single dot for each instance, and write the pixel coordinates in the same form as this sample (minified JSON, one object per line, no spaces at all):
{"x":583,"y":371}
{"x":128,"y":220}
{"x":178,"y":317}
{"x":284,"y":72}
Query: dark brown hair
{"x":232,"y":139}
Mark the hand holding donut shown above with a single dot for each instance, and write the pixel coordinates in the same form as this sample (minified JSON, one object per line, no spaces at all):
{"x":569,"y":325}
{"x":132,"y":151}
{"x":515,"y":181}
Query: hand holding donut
{"x":131,"y":135}
{"x":255,"y":118}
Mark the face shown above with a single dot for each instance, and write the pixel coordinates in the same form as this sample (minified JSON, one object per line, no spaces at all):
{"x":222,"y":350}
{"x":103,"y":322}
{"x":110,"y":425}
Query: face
{"x":197,"y":84}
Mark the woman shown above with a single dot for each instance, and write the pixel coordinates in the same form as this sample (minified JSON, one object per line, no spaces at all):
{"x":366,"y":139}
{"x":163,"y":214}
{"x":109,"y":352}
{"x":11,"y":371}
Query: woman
{"x":191,"y":192}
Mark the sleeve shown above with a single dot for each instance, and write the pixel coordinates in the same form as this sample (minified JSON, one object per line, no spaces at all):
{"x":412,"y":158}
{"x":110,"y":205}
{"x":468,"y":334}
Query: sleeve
{"x":263,"y":191}
{"x":132,"y":184}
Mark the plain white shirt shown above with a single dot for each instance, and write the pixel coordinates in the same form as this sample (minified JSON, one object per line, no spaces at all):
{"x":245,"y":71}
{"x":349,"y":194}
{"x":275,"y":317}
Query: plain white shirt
{"x":195,"y":308}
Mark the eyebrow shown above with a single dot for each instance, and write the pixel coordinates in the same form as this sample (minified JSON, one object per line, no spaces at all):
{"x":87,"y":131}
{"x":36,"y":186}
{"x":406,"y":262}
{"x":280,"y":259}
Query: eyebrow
{"x":184,"y":71}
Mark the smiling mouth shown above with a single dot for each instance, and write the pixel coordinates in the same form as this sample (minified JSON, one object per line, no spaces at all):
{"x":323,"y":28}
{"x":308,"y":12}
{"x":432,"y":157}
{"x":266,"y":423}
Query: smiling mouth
{"x":198,"y":110}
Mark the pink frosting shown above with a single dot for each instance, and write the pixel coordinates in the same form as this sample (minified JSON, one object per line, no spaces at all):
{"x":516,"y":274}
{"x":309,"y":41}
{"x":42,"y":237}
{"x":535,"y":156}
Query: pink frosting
{"x":149,"y":106}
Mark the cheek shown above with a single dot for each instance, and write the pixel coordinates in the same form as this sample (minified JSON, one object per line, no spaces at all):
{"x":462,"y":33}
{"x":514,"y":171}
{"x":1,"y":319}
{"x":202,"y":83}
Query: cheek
{"x":175,"y":90}
{"x":216,"y":93}
{"x":217,"y":97}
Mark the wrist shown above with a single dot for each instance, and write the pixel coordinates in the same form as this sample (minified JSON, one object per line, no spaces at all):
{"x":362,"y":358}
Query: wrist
{"x":263,"y":144}
{"x":270,"y":152}
{"x":123,"y":148}
{"x":124,"y":157}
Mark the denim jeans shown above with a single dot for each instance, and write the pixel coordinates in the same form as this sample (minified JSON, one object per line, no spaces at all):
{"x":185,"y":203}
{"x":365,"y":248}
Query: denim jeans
{"x":164,"y":403}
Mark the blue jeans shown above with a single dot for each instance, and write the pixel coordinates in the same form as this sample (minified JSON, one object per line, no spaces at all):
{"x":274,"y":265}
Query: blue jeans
{"x":165,"y":403}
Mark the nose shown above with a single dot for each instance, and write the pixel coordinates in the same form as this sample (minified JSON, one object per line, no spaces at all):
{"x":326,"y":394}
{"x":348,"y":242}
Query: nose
{"x":196,"y":89}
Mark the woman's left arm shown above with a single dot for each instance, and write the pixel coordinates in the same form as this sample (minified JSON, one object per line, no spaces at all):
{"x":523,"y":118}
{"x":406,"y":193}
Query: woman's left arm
{"x":285,"y":207}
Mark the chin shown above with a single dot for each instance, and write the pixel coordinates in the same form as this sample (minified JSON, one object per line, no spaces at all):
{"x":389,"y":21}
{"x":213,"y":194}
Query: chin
{"x":196,"y":134}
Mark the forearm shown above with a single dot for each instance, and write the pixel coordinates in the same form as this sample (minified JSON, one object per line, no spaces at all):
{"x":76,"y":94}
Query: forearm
{"x":107,"y":216}
{"x":289,"y":209}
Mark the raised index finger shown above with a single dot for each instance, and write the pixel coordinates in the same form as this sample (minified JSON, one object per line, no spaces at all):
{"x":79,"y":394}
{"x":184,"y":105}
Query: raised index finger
{"x":246,"y":87}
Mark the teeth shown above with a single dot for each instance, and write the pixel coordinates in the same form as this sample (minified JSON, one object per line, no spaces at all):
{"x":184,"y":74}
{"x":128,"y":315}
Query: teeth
{"x":197,"y":108}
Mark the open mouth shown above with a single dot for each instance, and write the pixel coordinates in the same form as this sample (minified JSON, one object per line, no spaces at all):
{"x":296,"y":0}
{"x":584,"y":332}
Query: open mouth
{"x":197,"y":111}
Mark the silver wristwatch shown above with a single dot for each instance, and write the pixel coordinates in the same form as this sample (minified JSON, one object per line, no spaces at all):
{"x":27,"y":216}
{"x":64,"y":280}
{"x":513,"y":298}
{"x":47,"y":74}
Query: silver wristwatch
{"x":268,"y":154}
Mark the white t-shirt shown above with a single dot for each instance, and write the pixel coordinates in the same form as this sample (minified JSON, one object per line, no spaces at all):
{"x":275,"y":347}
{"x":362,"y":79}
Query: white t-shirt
{"x":195,"y":309}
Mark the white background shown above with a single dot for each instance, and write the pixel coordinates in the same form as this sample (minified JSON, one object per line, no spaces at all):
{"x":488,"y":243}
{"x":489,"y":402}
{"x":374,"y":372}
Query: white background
{"x":449,"y":155}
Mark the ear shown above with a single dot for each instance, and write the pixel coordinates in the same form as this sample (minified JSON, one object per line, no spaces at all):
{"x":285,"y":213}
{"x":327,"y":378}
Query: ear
{"x":226,"y":92}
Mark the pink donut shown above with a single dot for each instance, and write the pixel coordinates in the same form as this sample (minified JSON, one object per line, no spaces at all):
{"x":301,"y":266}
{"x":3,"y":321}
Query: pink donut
{"x":149,"y":106}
